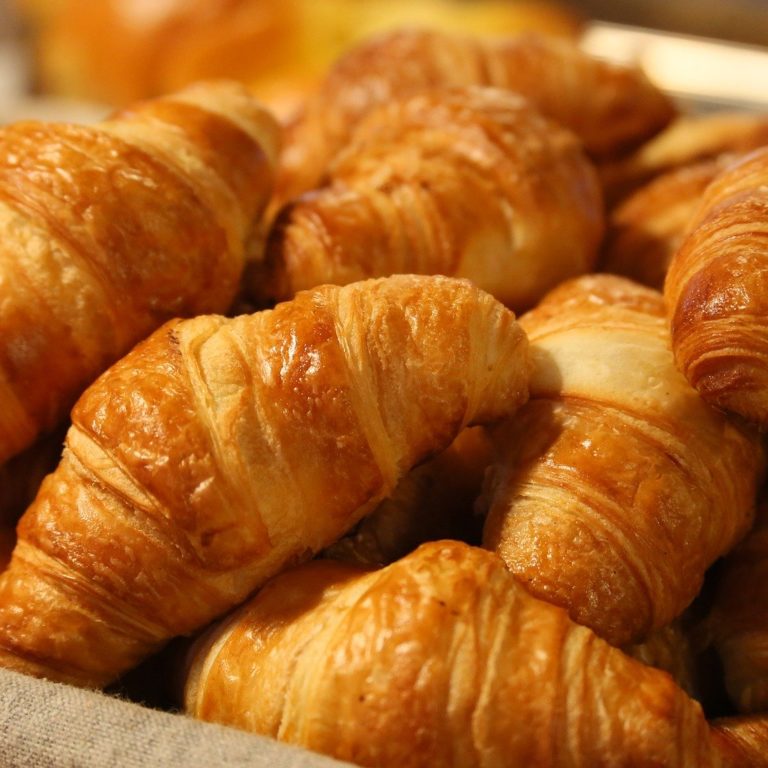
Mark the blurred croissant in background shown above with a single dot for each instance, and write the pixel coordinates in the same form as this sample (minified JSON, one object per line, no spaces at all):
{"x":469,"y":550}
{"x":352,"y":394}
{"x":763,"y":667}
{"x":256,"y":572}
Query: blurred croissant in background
{"x":739,"y":619}
{"x":119,"y":50}
{"x":433,"y":501}
{"x":653,"y":194}
{"x":612,"y":109}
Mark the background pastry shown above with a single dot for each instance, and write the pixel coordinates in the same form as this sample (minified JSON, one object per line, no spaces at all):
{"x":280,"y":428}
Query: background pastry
{"x":434,"y":501}
{"x":739,"y":620}
{"x":611,"y":109}
{"x":688,"y":140}
{"x":470,"y":182}
{"x":116,"y":51}
{"x":647,"y":227}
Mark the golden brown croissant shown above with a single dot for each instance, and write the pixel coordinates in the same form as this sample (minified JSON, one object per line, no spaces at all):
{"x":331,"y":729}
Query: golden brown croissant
{"x":108,"y":231}
{"x":739,"y":620}
{"x":470,"y":182}
{"x":742,"y":742}
{"x":610,"y":108}
{"x":617,"y":486}
{"x":219,"y":450}
{"x":433,"y":501}
{"x":688,"y":140}
{"x":646,"y":228}
{"x":441,"y":659}
{"x":717,"y":292}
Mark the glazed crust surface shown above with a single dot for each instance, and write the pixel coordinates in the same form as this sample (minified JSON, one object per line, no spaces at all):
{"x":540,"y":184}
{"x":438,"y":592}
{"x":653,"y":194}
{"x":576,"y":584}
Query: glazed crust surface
{"x":219,"y":451}
{"x":717,"y":292}
{"x":610,"y":108}
{"x":440,"y":659}
{"x":470,"y":182}
{"x":110,"y":230}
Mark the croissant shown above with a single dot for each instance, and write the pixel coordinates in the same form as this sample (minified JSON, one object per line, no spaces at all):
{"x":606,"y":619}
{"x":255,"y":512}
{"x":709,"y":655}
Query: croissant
{"x":440,"y":659}
{"x":610,"y":108}
{"x":742,"y":742}
{"x":688,"y":140}
{"x":218,"y":451}
{"x":616,"y":486}
{"x":646,"y":229}
{"x":739,"y":619}
{"x":433,"y":501}
{"x":469,"y":182}
{"x":715,"y":291}
{"x":109,"y":231}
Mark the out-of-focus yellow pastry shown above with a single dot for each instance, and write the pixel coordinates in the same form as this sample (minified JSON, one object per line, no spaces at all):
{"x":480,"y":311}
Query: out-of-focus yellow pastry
{"x":119,"y":50}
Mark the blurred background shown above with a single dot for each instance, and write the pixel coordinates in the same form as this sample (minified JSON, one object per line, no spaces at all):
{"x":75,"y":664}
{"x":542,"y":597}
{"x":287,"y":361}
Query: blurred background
{"x":78,"y":58}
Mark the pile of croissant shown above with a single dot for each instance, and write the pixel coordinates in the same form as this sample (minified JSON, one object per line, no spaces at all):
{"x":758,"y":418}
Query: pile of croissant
{"x":305,"y":430}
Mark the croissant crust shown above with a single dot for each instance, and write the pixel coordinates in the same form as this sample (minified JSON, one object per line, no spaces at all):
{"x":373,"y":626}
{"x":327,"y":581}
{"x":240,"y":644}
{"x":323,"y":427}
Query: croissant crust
{"x":717,"y":292}
{"x":617,"y":486}
{"x":110,"y":230}
{"x":470,"y":182}
{"x":611,"y":109}
{"x":218,"y":451}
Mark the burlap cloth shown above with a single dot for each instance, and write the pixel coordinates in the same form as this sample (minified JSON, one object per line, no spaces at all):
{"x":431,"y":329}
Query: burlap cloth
{"x":47,"y":724}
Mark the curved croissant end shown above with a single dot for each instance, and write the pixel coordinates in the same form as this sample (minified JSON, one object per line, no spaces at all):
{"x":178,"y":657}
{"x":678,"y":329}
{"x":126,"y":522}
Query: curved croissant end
{"x":739,"y":620}
{"x":219,"y":450}
{"x":108,"y":231}
{"x":439,"y":659}
{"x":717,"y":292}
{"x":617,"y":486}
{"x":741,"y":742}
{"x":611,"y":109}
{"x":469,"y":182}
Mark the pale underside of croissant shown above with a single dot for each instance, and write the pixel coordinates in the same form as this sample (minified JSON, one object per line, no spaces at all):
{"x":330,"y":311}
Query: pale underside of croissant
{"x":739,"y":620}
{"x":218,"y":451}
{"x":617,"y":486}
{"x":610,"y":108}
{"x":110,"y":230}
{"x":717,"y":292}
{"x":470,"y":182}
{"x":441,"y":659}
